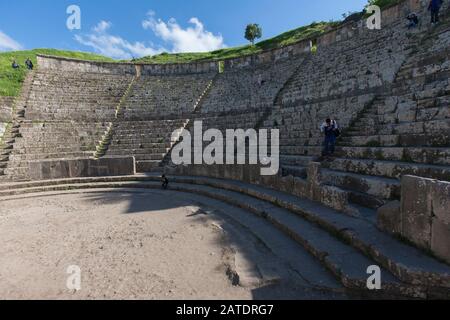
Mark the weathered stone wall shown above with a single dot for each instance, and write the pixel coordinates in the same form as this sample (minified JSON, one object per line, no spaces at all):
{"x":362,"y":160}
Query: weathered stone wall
{"x":422,"y":216}
{"x":6,"y":104}
{"x":2,"y":129}
{"x":79,"y":168}
{"x":346,"y":31}
{"x":5,"y":113}
{"x":74,"y":65}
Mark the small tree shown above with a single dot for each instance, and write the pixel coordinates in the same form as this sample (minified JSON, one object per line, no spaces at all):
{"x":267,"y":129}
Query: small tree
{"x":253,"y":32}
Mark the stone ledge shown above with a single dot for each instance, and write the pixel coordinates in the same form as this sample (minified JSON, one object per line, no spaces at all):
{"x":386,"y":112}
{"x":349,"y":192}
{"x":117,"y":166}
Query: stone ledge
{"x":81,"y":167}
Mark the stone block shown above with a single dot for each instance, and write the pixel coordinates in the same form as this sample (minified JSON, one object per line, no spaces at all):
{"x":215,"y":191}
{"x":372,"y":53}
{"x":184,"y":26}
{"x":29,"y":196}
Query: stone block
{"x":416,"y":208}
{"x":331,"y":197}
{"x":440,"y":242}
{"x":440,"y":198}
{"x":285,"y":184}
{"x":389,"y":218}
{"x":301,"y":188}
{"x":314,"y":173}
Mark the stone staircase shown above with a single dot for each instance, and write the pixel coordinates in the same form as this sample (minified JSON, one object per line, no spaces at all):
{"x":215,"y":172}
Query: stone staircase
{"x":103,"y":146}
{"x":176,"y":138}
{"x":166,"y":97}
{"x":403,"y":132}
{"x":12,"y":132}
{"x":150,"y":142}
{"x":290,"y":165}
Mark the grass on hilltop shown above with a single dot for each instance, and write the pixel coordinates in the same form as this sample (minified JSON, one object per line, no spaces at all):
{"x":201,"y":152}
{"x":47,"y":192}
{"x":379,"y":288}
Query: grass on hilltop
{"x":11,"y":79}
{"x":384,"y":3}
{"x":287,"y":38}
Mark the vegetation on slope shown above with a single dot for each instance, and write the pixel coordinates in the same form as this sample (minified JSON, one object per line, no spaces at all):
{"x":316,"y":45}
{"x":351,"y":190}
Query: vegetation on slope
{"x":282,"y":40}
{"x":383,"y":3}
{"x":11,"y":80}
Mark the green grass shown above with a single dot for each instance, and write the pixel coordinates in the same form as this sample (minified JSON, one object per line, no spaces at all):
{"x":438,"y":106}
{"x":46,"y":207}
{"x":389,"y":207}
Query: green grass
{"x":384,"y":3}
{"x":11,"y":80}
{"x":287,"y":38}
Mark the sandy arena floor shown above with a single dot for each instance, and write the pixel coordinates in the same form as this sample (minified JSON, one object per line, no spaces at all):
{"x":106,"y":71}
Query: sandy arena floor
{"x":134,"y":245}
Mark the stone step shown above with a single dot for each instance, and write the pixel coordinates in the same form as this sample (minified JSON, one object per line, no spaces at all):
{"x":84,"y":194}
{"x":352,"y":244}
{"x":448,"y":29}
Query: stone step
{"x":139,"y":156}
{"x":294,"y":170}
{"x":32,"y":157}
{"x":148,"y":139}
{"x":19,"y":150}
{"x":17,"y":172}
{"x":293,"y":150}
{"x":156,"y":125}
{"x":146,"y":148}
{"x":296,"y":160}
{"x":426,"y":155}
{"x":396,"y":140}
{"x":147,"y":165}
{"x":378,"y":187}
{"x":124,"y":152}
{"x":298,"y":218}
{"x":431,"y":127}
{"x":388,"y":169}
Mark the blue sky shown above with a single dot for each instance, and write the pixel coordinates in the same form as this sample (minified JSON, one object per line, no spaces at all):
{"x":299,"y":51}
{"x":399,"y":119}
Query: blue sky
{"x":133,"y":28}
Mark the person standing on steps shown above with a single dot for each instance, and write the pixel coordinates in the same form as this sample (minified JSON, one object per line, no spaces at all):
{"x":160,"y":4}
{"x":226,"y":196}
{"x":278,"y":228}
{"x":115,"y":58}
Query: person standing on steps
{"x":331,"y":131}
{"x":434,"y":7}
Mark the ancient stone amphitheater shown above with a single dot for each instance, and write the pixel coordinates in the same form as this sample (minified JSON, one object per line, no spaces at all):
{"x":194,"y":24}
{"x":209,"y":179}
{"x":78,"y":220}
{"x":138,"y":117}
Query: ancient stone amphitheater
{"x":384,"y":200}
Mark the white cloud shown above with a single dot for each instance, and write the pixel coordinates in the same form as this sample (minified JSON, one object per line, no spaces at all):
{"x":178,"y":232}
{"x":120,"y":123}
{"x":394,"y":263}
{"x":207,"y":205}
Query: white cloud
{"x":102,"y":26}
{"x":7,"y":43}
{"x":192,"y":39}
{"x":114,"y":46}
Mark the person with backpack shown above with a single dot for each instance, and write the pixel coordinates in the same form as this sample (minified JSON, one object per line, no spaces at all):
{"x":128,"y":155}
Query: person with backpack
{"x":331,"y":131}
{"x":434,"y":7}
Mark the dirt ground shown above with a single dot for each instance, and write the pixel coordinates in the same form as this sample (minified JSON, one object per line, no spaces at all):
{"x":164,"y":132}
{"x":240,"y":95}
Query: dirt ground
{"x":127,"y":245}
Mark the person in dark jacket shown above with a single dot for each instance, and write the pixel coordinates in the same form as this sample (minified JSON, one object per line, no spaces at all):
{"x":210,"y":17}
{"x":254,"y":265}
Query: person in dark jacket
{"x":413,"y":20}
{"x":14,"y":65}
{"x":330,"y":129}
{"x":434,"y":7}
{"x":165,"y":182}
{"x":29,"y":64}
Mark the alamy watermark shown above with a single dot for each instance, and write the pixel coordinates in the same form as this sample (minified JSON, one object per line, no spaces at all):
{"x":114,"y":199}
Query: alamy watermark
{"x":231,"y":149}
{"x":374,"y":281}
{"x":74,"y":20}
{"x":374,"y":21}
{"x":73,"y":282}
